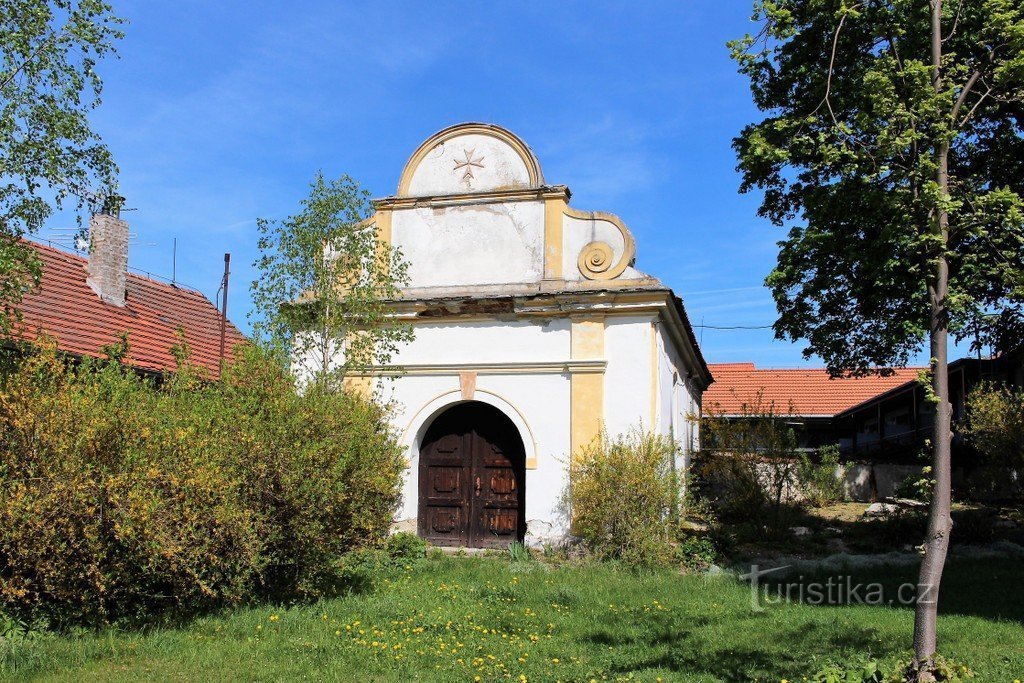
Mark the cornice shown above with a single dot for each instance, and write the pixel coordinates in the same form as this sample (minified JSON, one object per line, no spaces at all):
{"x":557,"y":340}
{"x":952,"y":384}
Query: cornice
{"x":517,"y":194}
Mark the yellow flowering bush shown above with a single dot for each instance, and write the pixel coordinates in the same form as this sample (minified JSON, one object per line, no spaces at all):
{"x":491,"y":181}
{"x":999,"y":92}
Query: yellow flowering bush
{"x":122,"y":497}
{"x":624,"y":495}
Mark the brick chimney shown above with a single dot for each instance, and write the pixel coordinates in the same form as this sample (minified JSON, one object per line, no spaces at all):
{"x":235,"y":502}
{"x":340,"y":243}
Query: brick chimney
{"x":108,"y":253}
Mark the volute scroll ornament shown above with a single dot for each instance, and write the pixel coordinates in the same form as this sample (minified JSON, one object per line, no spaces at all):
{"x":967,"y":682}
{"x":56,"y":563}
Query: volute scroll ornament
{"x":595,"y":260}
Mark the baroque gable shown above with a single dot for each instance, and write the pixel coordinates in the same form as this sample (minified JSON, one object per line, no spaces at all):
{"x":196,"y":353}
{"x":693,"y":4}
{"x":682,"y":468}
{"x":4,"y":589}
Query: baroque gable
{"x":473,"y":211}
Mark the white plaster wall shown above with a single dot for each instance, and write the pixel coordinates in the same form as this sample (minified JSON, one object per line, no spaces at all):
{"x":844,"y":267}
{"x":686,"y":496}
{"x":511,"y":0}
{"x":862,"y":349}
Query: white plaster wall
{"x":488,"y":342}
{"x":476,"y":244}
{"x":542,"y":404}
{"x":579,"y":232}
{"x":440,"y":173}
{"x":677,"y":401}
{"x":627,"y":384}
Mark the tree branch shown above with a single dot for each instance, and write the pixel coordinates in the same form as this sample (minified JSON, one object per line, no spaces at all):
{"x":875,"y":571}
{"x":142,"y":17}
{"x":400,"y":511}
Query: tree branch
{"x":974,"y":108}
{"x":35,"y":53}
{"x":831,"y":70}
{"x":956,"y":20}
{"x":964,"y":93}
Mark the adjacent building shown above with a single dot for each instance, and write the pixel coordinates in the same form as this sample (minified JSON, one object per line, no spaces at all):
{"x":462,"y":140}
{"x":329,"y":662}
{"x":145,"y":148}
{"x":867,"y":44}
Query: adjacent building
{"x":87,"y":302}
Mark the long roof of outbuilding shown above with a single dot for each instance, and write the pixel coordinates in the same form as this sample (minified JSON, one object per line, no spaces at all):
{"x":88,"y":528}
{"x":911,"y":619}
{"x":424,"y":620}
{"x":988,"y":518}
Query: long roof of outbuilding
{"x":801,"y":391}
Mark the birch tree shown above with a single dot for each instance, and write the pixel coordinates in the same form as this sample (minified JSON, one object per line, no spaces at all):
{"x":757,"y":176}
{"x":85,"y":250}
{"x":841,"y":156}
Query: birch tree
{"x":49,"y":155}
{"x":324,"y":284}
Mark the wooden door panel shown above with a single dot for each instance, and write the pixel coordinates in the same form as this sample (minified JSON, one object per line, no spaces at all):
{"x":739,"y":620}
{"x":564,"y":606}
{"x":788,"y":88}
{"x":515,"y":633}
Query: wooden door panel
{"x":445,"y":525}
{"x":497,"y":496}
{"x":498,"y":527}
{"x":444,"y":491}
{"x":445,"y":481}
{"x":499,"y":486}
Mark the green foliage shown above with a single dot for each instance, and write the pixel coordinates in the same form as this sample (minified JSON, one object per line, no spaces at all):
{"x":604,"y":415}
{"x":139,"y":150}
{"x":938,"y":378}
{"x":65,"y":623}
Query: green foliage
{"x":404,"y":548}
{"x":995,"y":424}
{"x":873,"y":671}
{"x":324,"y":283}
{"x":121,"y":499}
{"x":695,"y":552}
{"x":869,"y":672}
{"x":817,"y":478}
{"x":362,"y":568}
{"x":517,"y":552}
{"x":748,"y":465}
{"x":48,"y":152}
{"x":917,"y":487}
{"x":848,"y":151}
{"x":624,"y":496}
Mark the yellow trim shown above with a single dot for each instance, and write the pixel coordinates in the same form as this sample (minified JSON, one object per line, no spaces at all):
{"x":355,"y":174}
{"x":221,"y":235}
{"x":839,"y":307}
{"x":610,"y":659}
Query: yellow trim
{"x":553,"y":210}
{"x":629,"y":246}
{"x":580,"y":365}
{"x":586,"y":411}
{"x":382,"y":221}
{"x":506,"y":136}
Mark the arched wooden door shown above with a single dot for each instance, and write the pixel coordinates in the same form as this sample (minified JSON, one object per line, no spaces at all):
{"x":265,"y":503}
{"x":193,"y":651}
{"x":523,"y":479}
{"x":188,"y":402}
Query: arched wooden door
{"x":471,"y":479}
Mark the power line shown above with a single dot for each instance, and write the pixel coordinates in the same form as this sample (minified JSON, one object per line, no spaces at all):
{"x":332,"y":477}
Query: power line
{"x":734,"y":327}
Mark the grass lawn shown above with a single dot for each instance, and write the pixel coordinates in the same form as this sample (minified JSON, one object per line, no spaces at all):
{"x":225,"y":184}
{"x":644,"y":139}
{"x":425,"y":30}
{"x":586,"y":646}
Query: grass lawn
{"x":456,"y":619}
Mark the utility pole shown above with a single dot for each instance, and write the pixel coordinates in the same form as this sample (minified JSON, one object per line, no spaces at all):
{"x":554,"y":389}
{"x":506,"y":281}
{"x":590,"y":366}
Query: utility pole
{"x":224,"y":308}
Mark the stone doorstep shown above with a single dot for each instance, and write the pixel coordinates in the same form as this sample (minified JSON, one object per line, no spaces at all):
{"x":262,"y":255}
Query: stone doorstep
{"x":462,"y":550}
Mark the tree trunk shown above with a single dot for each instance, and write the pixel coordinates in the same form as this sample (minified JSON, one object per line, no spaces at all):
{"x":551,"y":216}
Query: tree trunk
{"x":936,"y":543}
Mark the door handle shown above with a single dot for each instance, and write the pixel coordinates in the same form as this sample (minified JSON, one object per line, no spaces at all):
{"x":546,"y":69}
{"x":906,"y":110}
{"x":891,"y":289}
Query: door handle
{"x":477,"y":486}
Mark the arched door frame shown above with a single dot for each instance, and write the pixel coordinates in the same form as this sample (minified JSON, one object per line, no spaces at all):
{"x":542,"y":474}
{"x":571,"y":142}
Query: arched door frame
{"x":424,"y":417}
{"x":471,"y":441}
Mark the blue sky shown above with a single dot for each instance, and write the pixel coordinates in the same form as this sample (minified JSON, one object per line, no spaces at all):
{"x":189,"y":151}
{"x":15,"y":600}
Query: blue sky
{"x":221,"y":112}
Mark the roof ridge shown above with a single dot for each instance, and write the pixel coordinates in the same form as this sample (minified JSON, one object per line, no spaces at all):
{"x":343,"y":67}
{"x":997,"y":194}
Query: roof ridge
{"x":136,"y":273}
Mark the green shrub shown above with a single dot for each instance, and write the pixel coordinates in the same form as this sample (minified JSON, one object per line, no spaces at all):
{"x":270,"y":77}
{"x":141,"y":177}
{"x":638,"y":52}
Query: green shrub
{"x":695,"y":552}
{"x":916,"y":486}
{"x":995,"y":427}
{"x":404,"y":549}
{"x":121,"y":498}
{"x":817,"y":478}
{"x":872,"y":671}
{"x":624,"y":498}
{"x":748,"y":466}
{"x":996,"y":424}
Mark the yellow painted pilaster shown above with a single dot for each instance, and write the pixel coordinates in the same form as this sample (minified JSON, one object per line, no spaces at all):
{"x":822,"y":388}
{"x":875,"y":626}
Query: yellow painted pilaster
{"x":362,"y":385}
{"x":586,"y":387}
{"x":382,"y":221}
{"x":553,"y":210}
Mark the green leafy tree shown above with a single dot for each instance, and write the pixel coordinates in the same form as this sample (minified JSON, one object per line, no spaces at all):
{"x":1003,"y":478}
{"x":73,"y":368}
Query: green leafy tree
{"x":49,"y":155}
{"x":324,"y":285}
{"x":996,"y":425}
{"x":892,"y":139}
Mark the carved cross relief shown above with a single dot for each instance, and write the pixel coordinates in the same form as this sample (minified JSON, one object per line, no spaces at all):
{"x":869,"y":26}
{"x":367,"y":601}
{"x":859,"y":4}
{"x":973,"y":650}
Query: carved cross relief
{"x":466,"y":165}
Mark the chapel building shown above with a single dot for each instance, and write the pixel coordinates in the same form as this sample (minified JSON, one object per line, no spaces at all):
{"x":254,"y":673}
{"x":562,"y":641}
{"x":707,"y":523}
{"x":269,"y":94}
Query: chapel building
{"x":534,"y":334}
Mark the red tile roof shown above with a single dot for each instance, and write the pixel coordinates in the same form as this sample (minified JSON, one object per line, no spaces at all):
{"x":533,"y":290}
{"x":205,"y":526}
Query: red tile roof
{"x":809,"y":392}
{"x":67,"y":308}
